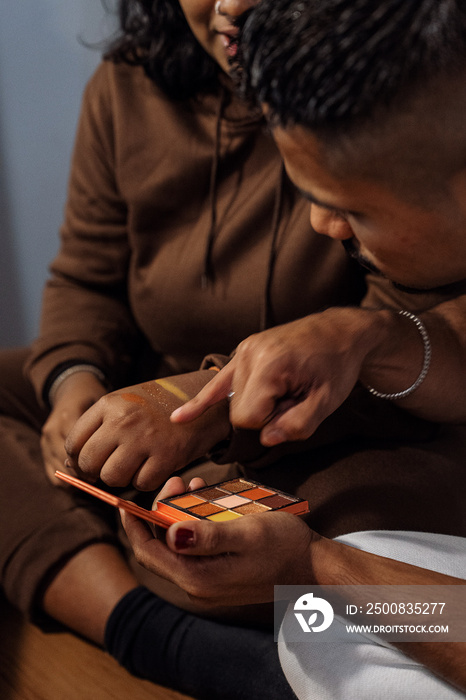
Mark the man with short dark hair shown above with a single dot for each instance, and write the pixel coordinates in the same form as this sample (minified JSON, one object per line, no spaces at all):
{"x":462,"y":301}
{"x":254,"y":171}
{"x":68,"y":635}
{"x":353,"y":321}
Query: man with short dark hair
{"x":366,"y":102}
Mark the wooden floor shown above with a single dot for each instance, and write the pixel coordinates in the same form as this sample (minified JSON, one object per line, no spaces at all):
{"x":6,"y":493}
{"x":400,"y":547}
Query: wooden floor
{"x":59,"y":666}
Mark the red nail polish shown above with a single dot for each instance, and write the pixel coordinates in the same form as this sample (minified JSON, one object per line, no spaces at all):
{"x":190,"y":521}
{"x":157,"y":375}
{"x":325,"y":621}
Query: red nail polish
{"x":184,"y":538}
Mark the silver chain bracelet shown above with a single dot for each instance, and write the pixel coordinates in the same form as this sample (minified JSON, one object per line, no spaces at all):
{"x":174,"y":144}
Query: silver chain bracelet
{"x":425,"y":365}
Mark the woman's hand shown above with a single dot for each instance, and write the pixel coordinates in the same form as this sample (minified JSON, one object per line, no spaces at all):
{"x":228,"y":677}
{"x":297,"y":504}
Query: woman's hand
{"x":75,"y":395}
{"x":127,"y":436}
{"x":234,"y":563}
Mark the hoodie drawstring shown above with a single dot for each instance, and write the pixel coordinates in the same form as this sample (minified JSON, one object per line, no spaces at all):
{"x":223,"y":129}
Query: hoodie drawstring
{"x":207,"y":276}
{"x":266,"y":312}
{"x":208,"y":271}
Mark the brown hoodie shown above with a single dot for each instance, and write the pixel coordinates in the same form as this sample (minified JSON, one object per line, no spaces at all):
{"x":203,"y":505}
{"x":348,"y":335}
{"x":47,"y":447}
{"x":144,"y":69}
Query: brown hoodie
{"x":182,"y":236}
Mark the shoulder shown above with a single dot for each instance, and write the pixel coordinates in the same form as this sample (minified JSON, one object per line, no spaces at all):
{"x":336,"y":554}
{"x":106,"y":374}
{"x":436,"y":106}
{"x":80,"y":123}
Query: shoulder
{"x":119,"y":82}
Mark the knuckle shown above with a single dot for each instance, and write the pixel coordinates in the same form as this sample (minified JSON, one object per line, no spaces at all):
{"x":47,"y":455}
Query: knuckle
{"x":247,"y":345}
{"x":210,"y":537}
{"x":70,"y":449}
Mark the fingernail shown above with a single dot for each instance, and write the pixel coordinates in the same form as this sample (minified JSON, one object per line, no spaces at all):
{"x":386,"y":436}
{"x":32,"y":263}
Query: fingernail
{"x":273,"y":437}
{"x":184,"y":538}
{"x":176,"y":412}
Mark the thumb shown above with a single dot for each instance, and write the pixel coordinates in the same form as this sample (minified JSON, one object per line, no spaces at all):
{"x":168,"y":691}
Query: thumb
{"x":203,"y":538}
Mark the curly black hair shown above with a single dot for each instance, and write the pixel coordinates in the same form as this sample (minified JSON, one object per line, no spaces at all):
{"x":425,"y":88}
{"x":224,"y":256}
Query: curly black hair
{"x":320,"y":63}
{"x":155,"y":34}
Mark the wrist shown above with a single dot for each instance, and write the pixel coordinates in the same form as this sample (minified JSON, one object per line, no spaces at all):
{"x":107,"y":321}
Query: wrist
{"x":77,"y":380}
{"x":336,"y":564}
{"x":365,"y":331}
{"x":400,"y":360}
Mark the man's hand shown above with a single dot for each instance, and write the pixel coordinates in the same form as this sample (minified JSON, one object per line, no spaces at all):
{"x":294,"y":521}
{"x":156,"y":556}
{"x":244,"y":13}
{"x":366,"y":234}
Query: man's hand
{"x":288,"y":379}
{"x":127,"y":435}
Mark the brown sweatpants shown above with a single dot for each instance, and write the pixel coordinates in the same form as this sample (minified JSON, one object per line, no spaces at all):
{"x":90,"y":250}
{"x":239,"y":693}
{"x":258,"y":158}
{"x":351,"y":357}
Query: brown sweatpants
{"x":355,"y":485}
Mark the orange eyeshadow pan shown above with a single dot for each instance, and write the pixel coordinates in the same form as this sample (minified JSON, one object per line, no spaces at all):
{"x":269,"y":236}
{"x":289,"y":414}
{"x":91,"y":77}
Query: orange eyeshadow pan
{"x":187,"y":501}
{"x":255,"y":494}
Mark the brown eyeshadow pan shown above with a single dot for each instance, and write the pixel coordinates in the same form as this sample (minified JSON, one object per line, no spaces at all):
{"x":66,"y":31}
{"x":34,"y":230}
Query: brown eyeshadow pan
{"x":206,"y":509}
{"x":211,"y":494}
{"x":250,"y":508}
{"x":237,"y":485}
{"x":276,"y":501}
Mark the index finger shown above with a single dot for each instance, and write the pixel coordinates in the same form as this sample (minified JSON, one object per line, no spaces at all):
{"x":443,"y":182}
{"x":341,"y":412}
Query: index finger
{"x":216,"y":390}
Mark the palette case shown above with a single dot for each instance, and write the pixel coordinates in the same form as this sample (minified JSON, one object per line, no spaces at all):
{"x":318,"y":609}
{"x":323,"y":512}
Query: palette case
{"x":229,"y":500}
{"x":221,"y":502}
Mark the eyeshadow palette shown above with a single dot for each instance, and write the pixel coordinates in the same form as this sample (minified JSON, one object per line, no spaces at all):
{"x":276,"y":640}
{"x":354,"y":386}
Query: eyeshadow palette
{"x":229,"y":500}
{"x":220,"y":503}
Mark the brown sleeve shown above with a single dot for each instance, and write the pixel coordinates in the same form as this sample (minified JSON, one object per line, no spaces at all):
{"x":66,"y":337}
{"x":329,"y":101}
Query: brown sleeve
{"x":85,"y":313}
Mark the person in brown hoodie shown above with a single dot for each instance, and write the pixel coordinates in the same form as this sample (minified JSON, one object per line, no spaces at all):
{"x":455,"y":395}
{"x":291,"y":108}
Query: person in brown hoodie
{"x":182,"y":236}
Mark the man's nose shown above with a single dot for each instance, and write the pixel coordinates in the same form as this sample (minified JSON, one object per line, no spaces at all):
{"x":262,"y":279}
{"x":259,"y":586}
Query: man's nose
{"x":330,"y":224}
{"x":235,"y":8}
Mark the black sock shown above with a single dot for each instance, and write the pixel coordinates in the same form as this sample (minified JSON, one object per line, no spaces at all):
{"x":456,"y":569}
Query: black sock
{"x":202,"y":658}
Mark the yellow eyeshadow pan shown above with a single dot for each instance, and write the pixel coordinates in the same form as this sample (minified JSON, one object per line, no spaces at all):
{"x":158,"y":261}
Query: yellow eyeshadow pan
{"x":224,"y":515}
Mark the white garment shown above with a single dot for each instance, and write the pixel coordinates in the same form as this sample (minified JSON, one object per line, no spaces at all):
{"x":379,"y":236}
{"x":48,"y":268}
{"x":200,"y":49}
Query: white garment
{"x":370,"y":669}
